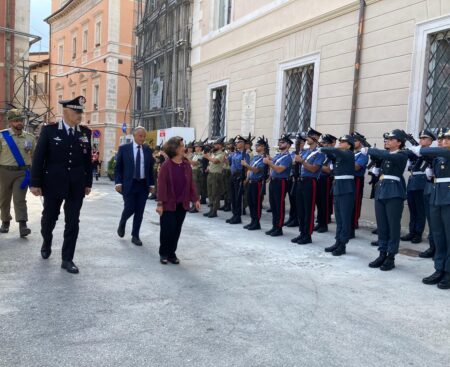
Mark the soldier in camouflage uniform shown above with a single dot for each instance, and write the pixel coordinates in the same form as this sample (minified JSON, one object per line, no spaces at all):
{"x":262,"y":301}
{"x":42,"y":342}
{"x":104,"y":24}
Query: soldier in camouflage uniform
{"x":15,"y":173}
{"x":215,"y":176}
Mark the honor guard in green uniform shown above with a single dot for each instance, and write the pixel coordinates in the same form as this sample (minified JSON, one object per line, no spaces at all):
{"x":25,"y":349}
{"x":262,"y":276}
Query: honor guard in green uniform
{"x":390,"y":195}
{"x":440,"y":211}
{"x":215,"y":176}
{"x":197,"y":169}
{"x":16,"y":151}
{"x":343,"y":191}
{"x":229,"y":151}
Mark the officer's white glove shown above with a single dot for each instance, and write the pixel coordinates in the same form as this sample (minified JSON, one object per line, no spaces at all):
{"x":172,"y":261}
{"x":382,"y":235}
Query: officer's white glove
{"x":364,"y":150}
{"x":331,"y":166}
{"x":375,"y":171}
{"x":319,"y":149}
{"x":415,"y":150}
{"x":429,"y":173}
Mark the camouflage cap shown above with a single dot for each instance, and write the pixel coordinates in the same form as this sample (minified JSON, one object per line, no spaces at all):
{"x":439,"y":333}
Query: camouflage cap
{"x":15,"y":115}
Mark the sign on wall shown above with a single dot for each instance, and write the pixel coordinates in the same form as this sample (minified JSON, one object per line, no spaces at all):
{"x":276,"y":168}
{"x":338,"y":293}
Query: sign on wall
{"x":248,"y":112}
{"x":156,"y":93}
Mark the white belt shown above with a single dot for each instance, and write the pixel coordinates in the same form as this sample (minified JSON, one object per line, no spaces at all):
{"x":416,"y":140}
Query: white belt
{"x":344,"y":177}
{"x":441,"y":180}
{"x":418,"y":173}
{"x":389,"y":177}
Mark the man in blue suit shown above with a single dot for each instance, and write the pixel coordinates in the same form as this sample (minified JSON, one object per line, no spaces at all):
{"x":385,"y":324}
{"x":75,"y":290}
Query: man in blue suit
{"x":134,"y":180}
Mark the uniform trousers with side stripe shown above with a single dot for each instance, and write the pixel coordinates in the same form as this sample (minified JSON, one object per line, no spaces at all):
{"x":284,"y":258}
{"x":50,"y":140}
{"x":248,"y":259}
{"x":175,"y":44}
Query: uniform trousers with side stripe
{"x":277,"y":195}
{"x":306,"y":202}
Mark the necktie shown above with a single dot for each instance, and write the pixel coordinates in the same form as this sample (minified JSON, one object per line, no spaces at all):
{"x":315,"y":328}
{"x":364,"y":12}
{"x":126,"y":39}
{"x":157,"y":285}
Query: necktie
{"x":71,"y":136}
{"x":137,"y":169}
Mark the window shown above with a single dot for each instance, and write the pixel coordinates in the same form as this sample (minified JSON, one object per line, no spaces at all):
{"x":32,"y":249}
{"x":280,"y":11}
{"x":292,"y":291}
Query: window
{"x":298,"y":98}
{"x":60,"y":54}
{"x":437,"y":96}
{"x":218,"y":112}
{"x":85,"y":40}
{"x":95,"y":99}
{"x":223,"y":13}
{"x":98,"y":30}
{"x":74,"y":48}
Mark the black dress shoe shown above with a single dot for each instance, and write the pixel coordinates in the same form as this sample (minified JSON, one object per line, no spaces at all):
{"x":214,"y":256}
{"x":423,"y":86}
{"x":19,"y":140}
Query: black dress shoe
{"x":23,"y":229}
{"x":236,"y":220}
{"x":416,"y":239}
{"x":46,"y":251}
{"x":407,"y":237}
{"x":206,"y":214}
{"x":173,"y":260}
{"x":255,"y":226}
{"x":269,"y":232}
{"x":379,"y":260}
{"x":70,"y":267}
{"x":136,"y":241}
{"x":322,"y":229}
{"x":292,"y":224}
{"x":316,"y":227}
{"x":375,"y":231}
{"x":5,"y":227}
{"x":339,"y":251}
{"x":445,"y":282}
{"x":389,"y":263}
{"x":248,"y":225}
{"x":434,"y":278}
{"x":227,"y":208}
{"x":212,"y":215}
{"x":296,"y":239}
{"x":163,"y":260}
{"x":332,"y":247}
{"x":230,"y":219}
{"x":121,"y":230}
{"x":304,"y":240}
{"x":428,"y":253}
{"x":277,"y":232}
{"x":374,"y":243}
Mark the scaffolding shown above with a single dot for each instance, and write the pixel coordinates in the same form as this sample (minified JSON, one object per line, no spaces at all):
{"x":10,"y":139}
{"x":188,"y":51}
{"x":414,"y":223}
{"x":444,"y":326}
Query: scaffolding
{"x":162,"y":64}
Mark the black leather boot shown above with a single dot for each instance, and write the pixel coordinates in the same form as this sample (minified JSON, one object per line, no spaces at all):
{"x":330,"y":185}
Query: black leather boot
{"x":269,"y":232}
{"x":212,"y":214}
{"x":407,"y":237}
{"x":237,"y":220}
{"x":379,"y":260}
{"x":250,"y":224}
{"x":23,"y":229}
{"x":429,"y":252}
{"x":277,"y":232}
{"x":389,"y":263}
{"x":417,"y":238}
{"x":434,"y":278}
{"x":5,"y":227}
{"x":340,"y":250}
{"x":332,"y":247}
{"x":445,"y":282}
{"x":207,"y":213}
{"x":255,"y":226}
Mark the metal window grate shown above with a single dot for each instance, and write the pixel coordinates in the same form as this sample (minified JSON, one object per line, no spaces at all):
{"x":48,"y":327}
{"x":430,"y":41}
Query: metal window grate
{"x":218,"y":107}
{"x":298,"y":98}
{"x":437,"y":98}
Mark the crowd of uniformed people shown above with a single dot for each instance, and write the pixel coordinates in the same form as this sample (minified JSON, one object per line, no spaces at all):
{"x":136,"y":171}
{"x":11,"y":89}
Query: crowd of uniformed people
{"x":318,"y":174}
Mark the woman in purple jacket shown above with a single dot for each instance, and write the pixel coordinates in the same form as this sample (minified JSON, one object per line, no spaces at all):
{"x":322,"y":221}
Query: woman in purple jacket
{"x":176,"y":190}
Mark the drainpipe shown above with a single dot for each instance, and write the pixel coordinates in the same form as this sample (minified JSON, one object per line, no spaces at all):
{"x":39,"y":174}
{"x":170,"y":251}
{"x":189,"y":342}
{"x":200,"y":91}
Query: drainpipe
{"x":362,"y":10}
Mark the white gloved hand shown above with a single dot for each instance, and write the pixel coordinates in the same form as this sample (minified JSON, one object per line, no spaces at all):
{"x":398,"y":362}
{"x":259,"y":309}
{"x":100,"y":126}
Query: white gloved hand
{"x":331,"y":166}
{"x":429,"y":172}
{"x":364,"y":150}
{"x":375,"y":171}
{"x":415,"y":150}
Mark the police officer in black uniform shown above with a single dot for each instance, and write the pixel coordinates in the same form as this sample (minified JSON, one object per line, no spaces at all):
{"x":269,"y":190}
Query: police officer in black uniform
{"x":343,"y":191}
{"x":440,"y":212}
{"x":61,"y":171}
{"x":390,"y":195}
{"x":415,"y":190}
